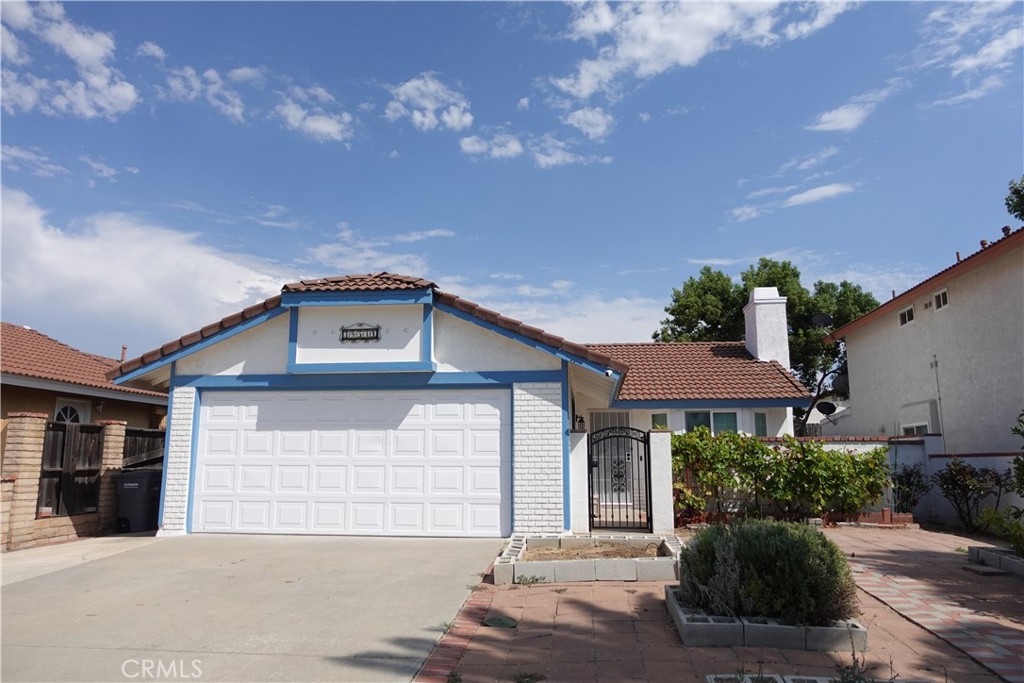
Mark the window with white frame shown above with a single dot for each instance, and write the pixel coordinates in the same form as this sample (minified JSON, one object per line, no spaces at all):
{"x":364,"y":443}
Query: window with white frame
{"x":941,"y":299}
{"x":760,"y":424}
{"x":914,"y":429}
{"x":906,"y":316}
{"x":659,"y":420}
{"x":715,"y":421}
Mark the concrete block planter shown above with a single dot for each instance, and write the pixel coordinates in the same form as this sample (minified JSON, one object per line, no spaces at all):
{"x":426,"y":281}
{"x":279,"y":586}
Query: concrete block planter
{"x":509,"y":567}
{"x":999,"y":558}
{"x":698,"y":629}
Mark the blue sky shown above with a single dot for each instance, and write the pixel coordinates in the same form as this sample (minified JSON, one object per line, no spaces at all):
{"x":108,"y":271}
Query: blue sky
{"x":167,"y":164}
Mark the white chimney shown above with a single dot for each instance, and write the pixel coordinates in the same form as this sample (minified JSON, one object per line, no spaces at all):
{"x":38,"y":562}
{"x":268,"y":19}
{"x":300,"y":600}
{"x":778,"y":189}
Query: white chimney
{"x":767,"y":331}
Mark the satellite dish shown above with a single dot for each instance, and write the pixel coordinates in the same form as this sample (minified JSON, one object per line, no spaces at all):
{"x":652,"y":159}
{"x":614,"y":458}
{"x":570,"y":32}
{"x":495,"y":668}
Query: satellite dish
{"x":821,"y":320}
{"x":826,"y":408}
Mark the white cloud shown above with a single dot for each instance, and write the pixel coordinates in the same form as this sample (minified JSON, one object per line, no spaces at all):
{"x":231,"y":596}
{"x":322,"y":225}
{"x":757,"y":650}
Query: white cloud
{"x":164,"y":281}
{"x":429,"y":103}
{"x":595,"y":123}
{"x":393,"y":154}
{"x":818,"y":194}
{"x":715,"y":261}
{"x":764,"y":192}
{"x":420,"y":235}
{"x":151,"y":49}
{"x":999,"y":53}
{"x":315,"y":123}
{"x":851,"y":115}
{"x":500,"y":146}
{"x":11,"y":49}
{"x":99,"y":168}
{"x":101,"y":90}
{"x":644,"y":117}
{"x":987,"y":85}
{"x":185,"y":84}
{"x":748,"y":212}
{"x":548,"y":151}
{"x":523,"y":104}
{"x":645,"y":39}
{"x":809,"y":161}
{"x":350,"y":253}
{"x":246,"y":74}
{"x":32,"y":160}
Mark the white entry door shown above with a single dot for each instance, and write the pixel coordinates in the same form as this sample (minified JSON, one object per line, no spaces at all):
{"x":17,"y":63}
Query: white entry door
{"x":394,"y":463}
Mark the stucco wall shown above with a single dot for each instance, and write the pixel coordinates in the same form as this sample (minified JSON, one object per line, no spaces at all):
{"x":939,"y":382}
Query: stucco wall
{"x":460,"y":346}
{"x":977,"y":342}
{"x":260,"y":350}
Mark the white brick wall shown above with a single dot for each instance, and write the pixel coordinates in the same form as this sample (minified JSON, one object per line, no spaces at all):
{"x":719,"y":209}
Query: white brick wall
{"x":537,"y":467}
{"x":179,"y":458}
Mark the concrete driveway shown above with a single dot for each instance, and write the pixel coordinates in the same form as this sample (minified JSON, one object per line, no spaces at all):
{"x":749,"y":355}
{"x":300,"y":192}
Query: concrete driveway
{"x":239,"y":608}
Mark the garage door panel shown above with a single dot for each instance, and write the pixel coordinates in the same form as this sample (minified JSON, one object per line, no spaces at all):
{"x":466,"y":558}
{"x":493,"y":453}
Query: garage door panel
{"x":292,"y":479}
{"x":330,"y":479}
{"x":434,"y":462}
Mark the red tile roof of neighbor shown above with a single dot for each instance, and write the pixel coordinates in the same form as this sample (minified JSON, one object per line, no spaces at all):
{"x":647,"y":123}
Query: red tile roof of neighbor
{"x":28,"y":353}
{"x":1010,"y":240}
{"x":653,"y":371}
{"x":666,"y":371}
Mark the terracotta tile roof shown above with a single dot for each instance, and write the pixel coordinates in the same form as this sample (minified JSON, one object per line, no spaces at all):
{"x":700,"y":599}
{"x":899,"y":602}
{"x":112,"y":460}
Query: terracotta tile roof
{"x":28,"y":353}
{"x":360,"y":283}
{"x":667,"y":371}
{"x":1011,"y":239}
{"x":371,"y":282}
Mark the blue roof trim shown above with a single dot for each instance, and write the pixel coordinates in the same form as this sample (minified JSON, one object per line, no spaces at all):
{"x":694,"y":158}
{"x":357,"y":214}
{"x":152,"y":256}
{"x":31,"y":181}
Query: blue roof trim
{"x":392,"y":366}
{"x":199,"y":346}
{"x":369,"y":380}
{"x":412,"y":296}
{"x":718,"y":403}
{"x":540,"y":346}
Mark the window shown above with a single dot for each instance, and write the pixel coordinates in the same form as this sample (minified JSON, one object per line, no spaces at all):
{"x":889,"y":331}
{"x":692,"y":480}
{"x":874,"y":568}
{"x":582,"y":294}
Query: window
{"x":68,"y":414}
{"x":941,"y":299}
{"x":659,"y":421}
{"x":760,"y":424}
{"x":906,"y":316}
{"x":914,"y":430}
{"x":716,"y":422}
{"x":608,"y":419}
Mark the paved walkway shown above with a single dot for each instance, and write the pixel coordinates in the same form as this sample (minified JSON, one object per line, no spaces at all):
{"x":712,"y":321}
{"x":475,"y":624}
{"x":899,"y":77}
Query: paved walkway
{"x":620,"y":631}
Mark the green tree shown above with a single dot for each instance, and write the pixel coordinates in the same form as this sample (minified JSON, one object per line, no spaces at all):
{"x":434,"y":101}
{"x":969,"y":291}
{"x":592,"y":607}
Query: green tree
{"x":710,"y":308}
{"x":1015,"y":199}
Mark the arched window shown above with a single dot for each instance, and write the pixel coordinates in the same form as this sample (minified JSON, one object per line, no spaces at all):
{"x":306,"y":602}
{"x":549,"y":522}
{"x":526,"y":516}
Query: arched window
{"x":68,"y":414}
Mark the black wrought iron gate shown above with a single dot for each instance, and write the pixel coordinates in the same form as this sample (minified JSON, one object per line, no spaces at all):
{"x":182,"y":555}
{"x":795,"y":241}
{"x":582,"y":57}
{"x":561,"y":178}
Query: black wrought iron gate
{"x":620,"y":479}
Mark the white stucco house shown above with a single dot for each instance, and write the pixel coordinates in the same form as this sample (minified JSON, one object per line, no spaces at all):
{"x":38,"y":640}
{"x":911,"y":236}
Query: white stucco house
{"x":945,"y":357}
{"x":380,"y":405}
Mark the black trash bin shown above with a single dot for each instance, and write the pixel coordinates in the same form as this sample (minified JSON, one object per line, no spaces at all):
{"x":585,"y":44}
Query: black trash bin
{"x":138,"y":499}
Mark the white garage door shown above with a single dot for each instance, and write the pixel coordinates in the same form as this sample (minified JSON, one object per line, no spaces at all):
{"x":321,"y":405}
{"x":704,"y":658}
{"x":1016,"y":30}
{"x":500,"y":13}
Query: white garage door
{"x":398,"y":463}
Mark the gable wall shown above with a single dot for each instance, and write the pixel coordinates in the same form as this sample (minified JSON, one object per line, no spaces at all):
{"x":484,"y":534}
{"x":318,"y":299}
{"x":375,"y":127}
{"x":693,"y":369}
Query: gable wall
{"x":977,"y":341}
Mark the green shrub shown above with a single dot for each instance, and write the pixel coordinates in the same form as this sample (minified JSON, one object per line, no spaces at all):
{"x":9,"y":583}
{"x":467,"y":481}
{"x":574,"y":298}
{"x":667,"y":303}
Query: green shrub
{"x":909,"y":485}
{"x":966,"y":486}
{"x":765,"y":568}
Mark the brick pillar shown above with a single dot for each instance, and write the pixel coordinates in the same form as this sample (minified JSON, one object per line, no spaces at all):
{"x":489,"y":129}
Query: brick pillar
{"x":23,"y":460}
{"x":113,"y":457}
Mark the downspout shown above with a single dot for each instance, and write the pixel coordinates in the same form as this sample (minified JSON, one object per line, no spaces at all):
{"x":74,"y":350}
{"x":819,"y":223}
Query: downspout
{"x":938,"y":396}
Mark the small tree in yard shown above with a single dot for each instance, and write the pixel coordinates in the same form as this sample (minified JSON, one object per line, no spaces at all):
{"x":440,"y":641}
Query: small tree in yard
{"x":909,"y":485}
{"x":966,"y":486}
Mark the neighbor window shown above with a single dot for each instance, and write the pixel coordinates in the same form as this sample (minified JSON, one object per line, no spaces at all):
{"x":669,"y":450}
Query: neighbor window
{"x":659,"y":421}
{"x":941,"y":300}
{"x":914,"y":430}
{"x":906,"y":316}
{"x":760,"y":424}
{"x":716,"y":422}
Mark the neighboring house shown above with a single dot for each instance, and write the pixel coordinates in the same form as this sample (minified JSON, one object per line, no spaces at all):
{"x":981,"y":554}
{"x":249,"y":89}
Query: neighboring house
{"x":41,"y":375}
{"x":53,"y":457}
{"x":377,"y":404}
{"x":946,"y":356}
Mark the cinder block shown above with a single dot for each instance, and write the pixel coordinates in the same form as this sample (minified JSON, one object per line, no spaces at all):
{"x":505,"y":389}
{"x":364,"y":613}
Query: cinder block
{"x":763,"y":632}
{"x":536,"y":543}
{"x":575,"y":570}
{"x":697,"y":629}
{"x":577,"y":542}
{"x":543,"y":572}
{"x":616,"y":570}
{"x":656,"y":569}
{"x":842,"y":637}
{"x":503,"y":573}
